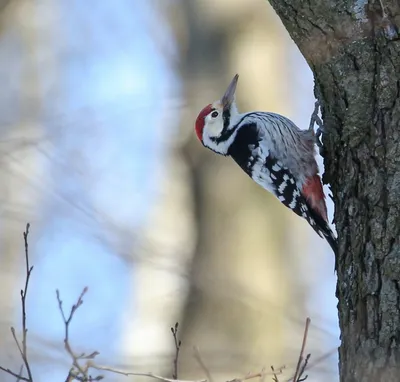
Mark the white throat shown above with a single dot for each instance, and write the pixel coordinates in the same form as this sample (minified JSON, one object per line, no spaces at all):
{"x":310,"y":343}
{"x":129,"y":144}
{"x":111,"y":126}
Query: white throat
{"x":219,"y":143}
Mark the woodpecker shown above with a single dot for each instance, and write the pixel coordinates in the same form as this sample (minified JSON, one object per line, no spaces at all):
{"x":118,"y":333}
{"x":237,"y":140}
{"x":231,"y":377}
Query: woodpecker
{"x":273,"y":151}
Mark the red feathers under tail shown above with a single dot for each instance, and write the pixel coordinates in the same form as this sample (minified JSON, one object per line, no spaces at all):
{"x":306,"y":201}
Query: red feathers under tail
{"x":314,"y":194}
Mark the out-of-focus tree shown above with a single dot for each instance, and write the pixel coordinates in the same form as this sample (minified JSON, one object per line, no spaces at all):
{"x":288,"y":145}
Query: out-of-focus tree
{"x":20,"y":130}
{"x":77,"y":91}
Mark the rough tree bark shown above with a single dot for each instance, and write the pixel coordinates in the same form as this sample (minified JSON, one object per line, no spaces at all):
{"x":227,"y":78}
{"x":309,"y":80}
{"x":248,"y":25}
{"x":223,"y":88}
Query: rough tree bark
{"x":353,"y":49}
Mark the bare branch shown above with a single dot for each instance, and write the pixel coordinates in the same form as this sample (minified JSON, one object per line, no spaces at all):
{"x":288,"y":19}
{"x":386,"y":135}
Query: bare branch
{"x":299,"y":368}
{"x":15,"y":374}
{"x":12,"y":329}
{"x":260,"y":375}
{"x":178,"y":343}
{"x":275,"y":376}
{"x":21,"y":369}
{"x":92,"y":365}
{"x":24,"y":292}
{"x":22,"y":347}
{"x":198,"y":358}
{"x":79,"y":371}
{"x":303,"y":368}
{"x":127,"y":374}
{"x":67,"y":321}
{"x":264,"y":374}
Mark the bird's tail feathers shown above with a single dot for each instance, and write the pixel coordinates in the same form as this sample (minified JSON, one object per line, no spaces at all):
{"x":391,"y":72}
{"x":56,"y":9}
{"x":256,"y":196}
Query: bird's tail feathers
{"x":330,"y":238}
{"x":321,"y":226}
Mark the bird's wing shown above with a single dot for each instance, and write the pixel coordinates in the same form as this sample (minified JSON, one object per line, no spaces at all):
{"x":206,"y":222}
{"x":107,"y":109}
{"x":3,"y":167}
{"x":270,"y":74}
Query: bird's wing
{"x":294,"y":147}
{"x":273,"y":176}
{"x":255,"y":154}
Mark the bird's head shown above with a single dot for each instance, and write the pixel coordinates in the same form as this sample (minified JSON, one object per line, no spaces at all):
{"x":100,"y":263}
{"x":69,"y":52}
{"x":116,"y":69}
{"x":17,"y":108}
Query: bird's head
{"x":214,"y":121}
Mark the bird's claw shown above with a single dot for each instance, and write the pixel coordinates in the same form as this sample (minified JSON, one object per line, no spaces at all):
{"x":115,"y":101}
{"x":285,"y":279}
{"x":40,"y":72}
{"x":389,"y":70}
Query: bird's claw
{"x":318,"y":141}
{"x":315,"y":119}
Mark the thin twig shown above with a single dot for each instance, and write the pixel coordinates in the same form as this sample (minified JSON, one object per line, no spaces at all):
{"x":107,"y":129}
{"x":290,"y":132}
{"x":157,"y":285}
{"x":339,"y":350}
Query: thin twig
{"x":310,"y":365}
{"x":67,"y":321}
{"x":323,"y":357}
{"x":303,"y":345}
{"x":261,"y":374}
{"x":29,"y":269}
{"x":14,"y":334}
{"x":21,"y":369}
{"x":275,"y":377}
{"x":150,"y":375}
{"x":178,"y":344}
{"x":22,"y":347}
{"x":70,"y":376}
{"x":247,"y":377}
{"x":198,"y":358}
{"x":276,"y":372}
{"x":14,"y":374}
{"x":92,"y":365}
{"x":303,"y":368}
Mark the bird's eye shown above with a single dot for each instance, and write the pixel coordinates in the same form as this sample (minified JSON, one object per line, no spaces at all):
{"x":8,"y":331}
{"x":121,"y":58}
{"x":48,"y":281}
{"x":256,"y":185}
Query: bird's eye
{"x":214,"y":114}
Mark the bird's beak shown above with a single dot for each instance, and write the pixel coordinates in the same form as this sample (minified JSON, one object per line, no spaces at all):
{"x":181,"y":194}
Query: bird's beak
{"x":229,"y":95}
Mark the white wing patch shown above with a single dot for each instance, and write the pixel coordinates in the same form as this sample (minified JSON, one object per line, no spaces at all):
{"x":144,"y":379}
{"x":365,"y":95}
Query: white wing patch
{"x":293,"y":204}
{"x":277,"y":179}
{"x":282,"y":187}
{"x":276,"y":167}
{"x":260,"y":173}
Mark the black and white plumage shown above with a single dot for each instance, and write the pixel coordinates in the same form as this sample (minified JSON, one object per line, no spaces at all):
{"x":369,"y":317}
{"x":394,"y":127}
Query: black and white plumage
{"x":273,"y":151}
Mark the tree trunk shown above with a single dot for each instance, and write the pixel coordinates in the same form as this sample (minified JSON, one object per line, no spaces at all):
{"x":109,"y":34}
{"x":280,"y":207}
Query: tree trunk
{"x":21,"y":103}
{"x":353,"y":48}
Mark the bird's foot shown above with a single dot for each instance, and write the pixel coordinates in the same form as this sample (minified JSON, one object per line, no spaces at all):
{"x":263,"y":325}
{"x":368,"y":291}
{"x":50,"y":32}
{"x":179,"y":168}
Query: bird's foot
{"x":315,"y":119}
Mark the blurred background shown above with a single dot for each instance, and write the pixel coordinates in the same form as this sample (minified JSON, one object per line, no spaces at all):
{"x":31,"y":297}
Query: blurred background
{"x":97,"y":151}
